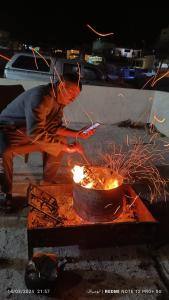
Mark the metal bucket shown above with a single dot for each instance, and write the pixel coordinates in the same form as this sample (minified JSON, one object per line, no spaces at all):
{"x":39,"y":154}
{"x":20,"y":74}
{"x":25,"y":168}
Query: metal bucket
{"x":98,"y":205}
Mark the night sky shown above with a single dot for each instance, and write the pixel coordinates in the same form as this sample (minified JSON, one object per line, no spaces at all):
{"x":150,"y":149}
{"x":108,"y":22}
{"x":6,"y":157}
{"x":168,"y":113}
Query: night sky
{"x":133,"y":25}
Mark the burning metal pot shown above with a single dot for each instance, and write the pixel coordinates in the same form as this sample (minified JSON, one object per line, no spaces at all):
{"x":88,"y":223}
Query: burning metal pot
{"x":100,"y":198}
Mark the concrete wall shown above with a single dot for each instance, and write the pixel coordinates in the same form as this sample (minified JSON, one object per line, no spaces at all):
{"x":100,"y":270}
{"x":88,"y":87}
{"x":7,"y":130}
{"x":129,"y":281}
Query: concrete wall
{"x":109,"y":105}
{"x":27,"y":84}
{"x":159,"y":115}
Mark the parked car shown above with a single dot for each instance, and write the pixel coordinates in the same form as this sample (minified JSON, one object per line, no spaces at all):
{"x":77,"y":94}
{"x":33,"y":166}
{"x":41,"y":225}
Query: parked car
{"x":24,"y":66}
{"x":127,"y":73}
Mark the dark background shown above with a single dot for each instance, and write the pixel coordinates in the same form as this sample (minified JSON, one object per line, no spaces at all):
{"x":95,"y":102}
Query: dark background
{"x":63,"y":24}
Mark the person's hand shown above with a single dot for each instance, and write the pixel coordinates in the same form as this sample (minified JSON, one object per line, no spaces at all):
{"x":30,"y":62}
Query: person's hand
{"x":86,"y":135}
{"x":76,"y":147}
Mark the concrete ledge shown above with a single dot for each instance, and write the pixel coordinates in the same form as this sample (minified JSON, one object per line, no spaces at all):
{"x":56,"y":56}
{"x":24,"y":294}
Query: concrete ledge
{"x":103,"y":104}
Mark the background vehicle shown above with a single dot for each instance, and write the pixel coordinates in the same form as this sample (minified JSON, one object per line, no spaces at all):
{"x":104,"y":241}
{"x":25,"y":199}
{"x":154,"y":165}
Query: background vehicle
{"x":23,"y":66}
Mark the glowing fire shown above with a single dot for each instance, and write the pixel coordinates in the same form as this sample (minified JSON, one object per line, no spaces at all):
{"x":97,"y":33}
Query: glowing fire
{"x":136,"y":164}
{"x":89,"y":185}
{"x":111,"y":184}
{"x":89,"y":179}
{"x":78,"y":173}
{"x":98,"y":33}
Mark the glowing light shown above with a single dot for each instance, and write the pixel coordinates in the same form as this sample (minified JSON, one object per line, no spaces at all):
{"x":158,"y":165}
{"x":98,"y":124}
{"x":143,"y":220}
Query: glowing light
{"x":89,"y":185}
{"x":137,"y":165}
{"x":159,"y":78}
{"x":78,"y":173}
{"x":98,"y":33}
{"x":78,"y":71}
{"x":134,"y":200}
{"x":111,"y":184}
{"x":35,"y":50}
{"x":152,"y":79}
{"x":116,"y":209}
{"x":88,"y":179}
{"x":148,"y":81}
{"x":159,"y":120}
{"x":62,"y":86}
{"x":5,"y":57}
{"x":85,"y":112}
{"x":35,"y":59}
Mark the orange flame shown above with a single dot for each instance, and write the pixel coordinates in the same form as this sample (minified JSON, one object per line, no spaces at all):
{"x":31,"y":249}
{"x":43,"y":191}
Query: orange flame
{"x":98,"y":33}
{"x":89,"y":185}
{"x":84,"y":179}
{"x":78,"y":174}
{"x":5,"y":57}
{"x":111,"y":184}
{"x":158,"y":119}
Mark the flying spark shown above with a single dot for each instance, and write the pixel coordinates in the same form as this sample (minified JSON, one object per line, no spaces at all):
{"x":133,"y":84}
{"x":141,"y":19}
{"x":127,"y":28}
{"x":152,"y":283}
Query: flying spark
{"x":159,"y":78}
{"x":156,"y":118}
{"x":137,"y":165}
{"x":98,"y":33}
{"x":5,"y":57}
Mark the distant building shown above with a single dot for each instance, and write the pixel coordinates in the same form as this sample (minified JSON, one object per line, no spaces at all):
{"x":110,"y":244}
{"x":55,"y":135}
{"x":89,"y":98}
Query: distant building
{"x":93,"y":59}
{"x":127,"y":52}
{"x":108,"y":50}
{"x":102,"y":47}
{"x":73,"y":54}
{"x":146,"y":62}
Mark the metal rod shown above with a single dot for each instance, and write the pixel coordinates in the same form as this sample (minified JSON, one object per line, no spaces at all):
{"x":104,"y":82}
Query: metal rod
{"x":43,"y":194}
{"x":86,"y":160}
{"x":56,"y":219}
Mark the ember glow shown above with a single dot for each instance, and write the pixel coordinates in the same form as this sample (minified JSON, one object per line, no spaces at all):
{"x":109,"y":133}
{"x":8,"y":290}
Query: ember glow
{"x":160,"y":77}
{"x":34,"y":50}
{"x":157,"y":77}
{"x":4,"y":57}
{"x":78,"y":71}
{"x":137,"y":165}
{"x":96,"y":178}
{"x":158,"y":119}
{"x":78,"y":173}
{"x":35,"y":59}
{"x":111,"y":184}
{"x":98,"y":33}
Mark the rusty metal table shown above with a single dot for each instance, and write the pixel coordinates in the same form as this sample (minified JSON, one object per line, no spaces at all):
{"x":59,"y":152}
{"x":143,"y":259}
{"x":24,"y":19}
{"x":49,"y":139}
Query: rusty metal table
{"x":135,"y":225}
